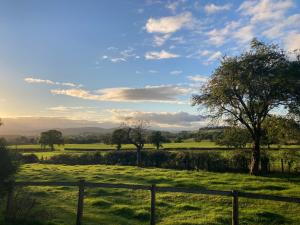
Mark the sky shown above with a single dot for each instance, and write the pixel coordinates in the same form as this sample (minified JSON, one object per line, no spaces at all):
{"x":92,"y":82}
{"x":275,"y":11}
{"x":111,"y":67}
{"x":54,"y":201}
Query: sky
{"x":109,"y":60}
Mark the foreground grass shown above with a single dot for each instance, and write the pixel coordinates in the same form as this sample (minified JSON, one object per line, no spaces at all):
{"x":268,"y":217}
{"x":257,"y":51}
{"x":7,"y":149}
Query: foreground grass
{"x":116,"y":206}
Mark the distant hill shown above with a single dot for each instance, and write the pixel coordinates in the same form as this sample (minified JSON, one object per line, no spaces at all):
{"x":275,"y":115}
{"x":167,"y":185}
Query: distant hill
{"x":33,"y":126}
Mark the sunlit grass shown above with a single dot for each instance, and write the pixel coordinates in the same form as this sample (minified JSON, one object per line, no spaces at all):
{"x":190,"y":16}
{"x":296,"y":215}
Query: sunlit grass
{"x":116,"y":206}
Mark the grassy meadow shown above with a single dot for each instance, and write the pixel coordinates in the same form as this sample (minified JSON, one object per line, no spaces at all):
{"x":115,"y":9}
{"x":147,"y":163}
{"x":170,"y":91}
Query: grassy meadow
{"x":127,"y":207}
{"x":121,"y":206}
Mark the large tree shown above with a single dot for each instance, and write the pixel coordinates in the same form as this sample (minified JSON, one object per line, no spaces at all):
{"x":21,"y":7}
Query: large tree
{"x":51,"y":138}
{"x":246,"y":88}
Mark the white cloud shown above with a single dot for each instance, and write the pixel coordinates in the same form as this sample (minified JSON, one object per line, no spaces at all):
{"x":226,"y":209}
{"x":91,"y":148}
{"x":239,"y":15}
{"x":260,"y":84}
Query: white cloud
{"x":32,"y":80}
{"x":152,"y":71}
{"x":198,"y":78}
{"x":292,"y":41}
{"x":176,"y":72}
{"x":160,"y":55}
{"x":212,"y":8}
{"x":68,"y":108}
{"x":265,"y":10}
{"x":163,"y":93}
{"x":159,"y":40}
{"x":116,"y":56}
{"x":244,"y":34}
{"x":219,"y":36}
{"x":214,"y":56}
{"x":173,"y":5}
{"x":171,"y":24}
{"x":279,"y":28}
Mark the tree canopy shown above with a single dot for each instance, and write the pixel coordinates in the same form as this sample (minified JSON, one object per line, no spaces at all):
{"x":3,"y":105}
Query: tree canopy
{"x":50,"y":138}
{"x":245,"y":89}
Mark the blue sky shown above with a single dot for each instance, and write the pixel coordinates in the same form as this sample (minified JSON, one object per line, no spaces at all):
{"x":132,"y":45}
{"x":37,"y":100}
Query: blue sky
{"x":108,"y":60}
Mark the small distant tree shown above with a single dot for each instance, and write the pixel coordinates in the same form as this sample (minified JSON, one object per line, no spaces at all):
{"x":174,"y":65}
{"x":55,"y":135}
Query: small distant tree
{"x":119,"y":137}
{"x":51,"y":138}
{"x":156,"y":138}
{"x":136,"y":135}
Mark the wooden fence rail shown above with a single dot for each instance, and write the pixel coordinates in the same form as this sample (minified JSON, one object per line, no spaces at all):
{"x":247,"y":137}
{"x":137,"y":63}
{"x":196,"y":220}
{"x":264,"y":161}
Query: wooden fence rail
{"x":82,"y":184}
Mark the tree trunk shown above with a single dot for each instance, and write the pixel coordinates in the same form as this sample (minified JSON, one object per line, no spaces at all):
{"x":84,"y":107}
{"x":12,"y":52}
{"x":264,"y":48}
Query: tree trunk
{"x":254,"y":167}
{"x":138,"y":157}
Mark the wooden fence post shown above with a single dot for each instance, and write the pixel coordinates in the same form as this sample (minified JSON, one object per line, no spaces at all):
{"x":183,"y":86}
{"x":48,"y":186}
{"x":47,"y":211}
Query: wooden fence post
{"x":152,"y":216}
{"x":9,"y":203}
{"x":80,"y":203}
{"x":235,"y":208}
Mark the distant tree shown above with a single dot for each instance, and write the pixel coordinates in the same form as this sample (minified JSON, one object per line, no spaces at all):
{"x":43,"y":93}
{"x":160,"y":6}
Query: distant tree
{"x":106,"y":139}
{"x":51,"y":138}
{"x":244,"y":89}
{"x":156,"y":138}
{"x":234,"y":137}
{"x":136,"y":135}
{"x":119,"y":137}
{"x":178,"y":140}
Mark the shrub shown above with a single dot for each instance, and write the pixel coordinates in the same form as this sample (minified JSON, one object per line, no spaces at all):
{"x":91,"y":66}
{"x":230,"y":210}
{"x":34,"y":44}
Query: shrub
{"x":31,"y":158}
{"x":8,"y":162}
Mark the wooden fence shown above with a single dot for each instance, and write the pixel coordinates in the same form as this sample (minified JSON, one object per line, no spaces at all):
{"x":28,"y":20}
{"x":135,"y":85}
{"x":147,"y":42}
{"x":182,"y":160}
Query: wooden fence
{"x":82,"y":184}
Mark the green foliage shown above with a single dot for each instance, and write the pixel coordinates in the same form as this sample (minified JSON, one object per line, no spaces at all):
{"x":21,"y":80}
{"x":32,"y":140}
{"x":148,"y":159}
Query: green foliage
{"x":156,"y":138}
{"x":119,"y":137}
{"x":8,"y":163}
{"x":244,"y":89}
{"x":50,"y":138}
{"x":234,"y":137}
{"x":280,"y":130}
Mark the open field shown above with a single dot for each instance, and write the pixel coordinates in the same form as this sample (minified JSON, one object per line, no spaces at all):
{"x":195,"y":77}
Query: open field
{"x":114,"y":206}
{"x":101,"y":146}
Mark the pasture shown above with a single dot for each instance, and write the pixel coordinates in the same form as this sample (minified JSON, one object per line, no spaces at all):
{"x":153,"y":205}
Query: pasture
{"x":114,"y":206}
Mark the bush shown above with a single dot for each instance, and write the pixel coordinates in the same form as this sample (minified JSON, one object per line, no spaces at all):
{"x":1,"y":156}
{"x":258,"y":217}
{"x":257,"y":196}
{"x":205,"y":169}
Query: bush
{"x":8,"y":162}
{"x":31,"y":158}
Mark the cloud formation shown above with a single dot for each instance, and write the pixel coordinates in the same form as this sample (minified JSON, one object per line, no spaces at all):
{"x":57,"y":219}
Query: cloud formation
{"x":198,"y":78}
{"x":265,"y":10}
{"x":163,"y":93}
{"x":160,"y":55}
{"x":170,"y":24}
{"x":32,"y":80}
{"x":212,"y":8}
{"x":175,"y":120}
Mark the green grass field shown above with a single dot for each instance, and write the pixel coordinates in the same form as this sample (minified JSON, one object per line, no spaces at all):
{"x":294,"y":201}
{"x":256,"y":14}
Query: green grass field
{"x":126,"y":207}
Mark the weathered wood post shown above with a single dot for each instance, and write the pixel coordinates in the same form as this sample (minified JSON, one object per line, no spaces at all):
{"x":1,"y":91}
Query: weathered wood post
{"x":235,"y":208}
{"x":152,"y":216}
{"x":80,"y":202}
{"x":10,"y":202}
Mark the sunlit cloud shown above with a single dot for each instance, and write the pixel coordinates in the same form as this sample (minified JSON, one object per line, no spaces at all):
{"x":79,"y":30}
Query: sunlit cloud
{"x":32,"y":80}
{"x":160,"y":55}
{"x":163,"y":94}
{"x":169,"y":24}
